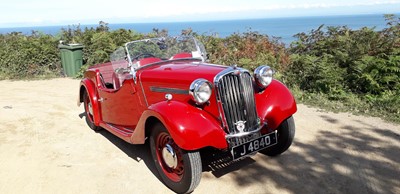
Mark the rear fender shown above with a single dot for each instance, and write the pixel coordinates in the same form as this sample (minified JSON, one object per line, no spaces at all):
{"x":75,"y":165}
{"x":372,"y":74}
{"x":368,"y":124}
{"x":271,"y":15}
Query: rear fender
{"x":190,"y":127}
{"x":88,"y":86}
{"x":275,"y":104}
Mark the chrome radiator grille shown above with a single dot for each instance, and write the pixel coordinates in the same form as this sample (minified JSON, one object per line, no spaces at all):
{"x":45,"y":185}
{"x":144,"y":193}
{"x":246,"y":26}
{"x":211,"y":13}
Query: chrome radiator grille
{"x":236,"y":95}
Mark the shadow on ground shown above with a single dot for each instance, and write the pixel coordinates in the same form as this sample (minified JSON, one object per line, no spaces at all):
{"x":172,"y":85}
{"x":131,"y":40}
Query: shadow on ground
{"x":349,"y":160}
{"x":136,"y":152}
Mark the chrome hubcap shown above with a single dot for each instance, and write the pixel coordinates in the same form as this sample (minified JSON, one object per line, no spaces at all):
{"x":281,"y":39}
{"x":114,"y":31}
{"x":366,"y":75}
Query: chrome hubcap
{"x":169,"y":156}
{"x":90,"y":108}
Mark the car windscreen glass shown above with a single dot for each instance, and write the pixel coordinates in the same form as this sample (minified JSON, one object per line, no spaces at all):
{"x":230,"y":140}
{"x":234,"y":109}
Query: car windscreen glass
{"x":118,"y":59}
{"x":165,"y":48}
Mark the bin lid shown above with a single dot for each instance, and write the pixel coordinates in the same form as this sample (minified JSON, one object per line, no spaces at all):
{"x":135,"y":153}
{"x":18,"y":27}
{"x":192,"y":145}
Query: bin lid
{"x":70,"y":46}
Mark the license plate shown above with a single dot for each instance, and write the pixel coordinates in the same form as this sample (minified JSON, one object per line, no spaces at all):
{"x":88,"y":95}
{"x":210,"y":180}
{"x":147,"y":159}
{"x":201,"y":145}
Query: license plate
{"x":254,"y":145}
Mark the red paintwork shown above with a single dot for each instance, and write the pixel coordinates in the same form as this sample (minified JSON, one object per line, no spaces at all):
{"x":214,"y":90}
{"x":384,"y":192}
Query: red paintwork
{"x":127,"y":111}
{"x":275,"y":108}
{"x":149,"y":60}
{"x":199,"y":131}
{"x":89,"y":86}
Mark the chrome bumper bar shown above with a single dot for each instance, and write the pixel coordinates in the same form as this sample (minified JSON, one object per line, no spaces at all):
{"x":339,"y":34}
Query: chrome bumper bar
{"x":242,"y":134}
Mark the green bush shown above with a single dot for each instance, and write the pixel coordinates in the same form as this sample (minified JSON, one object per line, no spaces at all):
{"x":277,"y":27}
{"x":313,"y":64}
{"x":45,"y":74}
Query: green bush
{"x":28,"y":56}
{"x":248,"y":50}
{"x":335,"y":67}
{"x":344,"y":64}
{"x":99,"y":42}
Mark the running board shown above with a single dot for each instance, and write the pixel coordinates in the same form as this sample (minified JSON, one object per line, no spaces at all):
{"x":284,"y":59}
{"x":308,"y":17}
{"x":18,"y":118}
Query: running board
{"x":121,"y":132}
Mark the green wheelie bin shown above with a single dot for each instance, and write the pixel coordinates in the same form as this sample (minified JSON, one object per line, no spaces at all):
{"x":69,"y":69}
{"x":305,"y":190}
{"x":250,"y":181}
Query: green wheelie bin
{"x":71,"y":58}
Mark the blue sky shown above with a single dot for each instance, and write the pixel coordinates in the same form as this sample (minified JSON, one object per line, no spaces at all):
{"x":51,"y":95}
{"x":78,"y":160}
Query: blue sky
{"x":49,"y":12}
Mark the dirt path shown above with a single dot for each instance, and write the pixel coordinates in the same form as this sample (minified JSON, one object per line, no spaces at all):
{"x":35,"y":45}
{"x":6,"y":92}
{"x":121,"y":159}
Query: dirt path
{"x":46,"y":147}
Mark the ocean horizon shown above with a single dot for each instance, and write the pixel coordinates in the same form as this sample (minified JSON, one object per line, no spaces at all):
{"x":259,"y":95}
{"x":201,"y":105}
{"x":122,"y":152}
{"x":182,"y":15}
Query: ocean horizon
{"x":283,"y":28}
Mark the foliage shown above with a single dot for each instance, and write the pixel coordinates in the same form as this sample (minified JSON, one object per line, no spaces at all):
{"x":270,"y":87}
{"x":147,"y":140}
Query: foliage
{"x":344,"y":64}
{"x":384,"y":106}
{"x":248,"y":50}
{"x":335,"y":67}
{"x":99,"y":42}
{"x":37,"y":55}
{"x":28,"y":56}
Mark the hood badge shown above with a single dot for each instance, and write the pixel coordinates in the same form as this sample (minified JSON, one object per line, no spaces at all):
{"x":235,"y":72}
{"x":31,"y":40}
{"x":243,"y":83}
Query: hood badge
{"x":240,"y":126}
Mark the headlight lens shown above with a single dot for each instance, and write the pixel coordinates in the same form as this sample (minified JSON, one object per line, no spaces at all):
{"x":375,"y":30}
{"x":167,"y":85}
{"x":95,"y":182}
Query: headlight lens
{"x":200,"y":90}
{"x":263,"y":75}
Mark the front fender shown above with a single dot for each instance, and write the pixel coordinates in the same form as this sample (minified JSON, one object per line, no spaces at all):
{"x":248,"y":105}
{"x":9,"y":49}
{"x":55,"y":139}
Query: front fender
{"x":275,"y":104}
{"x":88,"y":86}
{"x":190,"y":127}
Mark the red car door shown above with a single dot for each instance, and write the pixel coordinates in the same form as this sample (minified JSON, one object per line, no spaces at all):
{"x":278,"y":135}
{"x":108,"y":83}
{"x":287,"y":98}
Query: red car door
{"x":120,"y":107}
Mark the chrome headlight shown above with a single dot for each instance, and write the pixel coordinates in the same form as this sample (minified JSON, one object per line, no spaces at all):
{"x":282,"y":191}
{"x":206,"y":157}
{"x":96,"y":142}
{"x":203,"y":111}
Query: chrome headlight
{"x":263,"y":76}
{"x":200,"y":90}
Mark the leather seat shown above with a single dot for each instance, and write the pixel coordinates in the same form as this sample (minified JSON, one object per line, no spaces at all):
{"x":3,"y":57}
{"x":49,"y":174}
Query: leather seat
{"x":181,"y":56}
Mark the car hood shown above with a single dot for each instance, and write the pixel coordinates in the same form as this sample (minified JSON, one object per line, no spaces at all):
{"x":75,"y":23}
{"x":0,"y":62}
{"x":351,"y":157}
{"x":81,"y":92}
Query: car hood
{"x":178,"y":74}
{"x":174,"y":78}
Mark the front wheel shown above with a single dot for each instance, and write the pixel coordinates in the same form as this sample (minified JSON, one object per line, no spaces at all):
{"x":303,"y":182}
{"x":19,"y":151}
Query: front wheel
{"x":180,"y":170}
{"x":89,"y":112}
{"x":285,"y":134}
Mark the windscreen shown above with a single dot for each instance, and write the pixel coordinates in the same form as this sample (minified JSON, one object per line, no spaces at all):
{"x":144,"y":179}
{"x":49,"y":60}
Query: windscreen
{"x":119,"y":59}
{"x":165,"y":48}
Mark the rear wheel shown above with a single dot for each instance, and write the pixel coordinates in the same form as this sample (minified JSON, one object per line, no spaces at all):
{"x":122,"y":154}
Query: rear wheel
{"x":180,"y":170}
{"x":89,"y":112}
{"x":285,"y":138}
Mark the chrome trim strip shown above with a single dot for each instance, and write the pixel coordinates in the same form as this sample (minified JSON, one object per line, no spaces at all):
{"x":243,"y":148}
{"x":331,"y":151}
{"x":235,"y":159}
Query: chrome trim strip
{"x":120,"y":131}
{"x":211,"y":65}
{"x":144,"y":94}
{"x":218,"y":99}
{"x":128,"y":56}
{"x":168,"y":90}
{"x":194,"y":61}
{"x":228,"y":70}
{"x":228,"y":136}
{"x":166,"y":62}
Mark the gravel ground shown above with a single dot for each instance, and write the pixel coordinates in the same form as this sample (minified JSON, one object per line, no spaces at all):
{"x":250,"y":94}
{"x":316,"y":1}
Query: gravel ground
{"x":46,"y":147}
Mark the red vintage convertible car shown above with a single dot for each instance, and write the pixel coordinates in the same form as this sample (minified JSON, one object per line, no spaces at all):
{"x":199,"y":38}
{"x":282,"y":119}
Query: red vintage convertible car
{"x":162,"y":89}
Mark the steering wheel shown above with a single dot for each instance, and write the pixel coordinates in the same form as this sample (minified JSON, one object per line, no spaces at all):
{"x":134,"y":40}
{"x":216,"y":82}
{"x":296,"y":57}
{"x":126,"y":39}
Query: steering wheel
{"x":142,"y":56}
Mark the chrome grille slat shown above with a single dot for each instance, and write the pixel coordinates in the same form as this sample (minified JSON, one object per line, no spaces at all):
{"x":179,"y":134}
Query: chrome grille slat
{"x":236,"y":95}
{"x":230,"y":100}
{"x":249,"y":102}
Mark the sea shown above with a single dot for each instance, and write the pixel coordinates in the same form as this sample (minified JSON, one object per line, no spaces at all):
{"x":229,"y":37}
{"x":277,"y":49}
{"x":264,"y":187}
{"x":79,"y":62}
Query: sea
{"x":282,"y":28}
